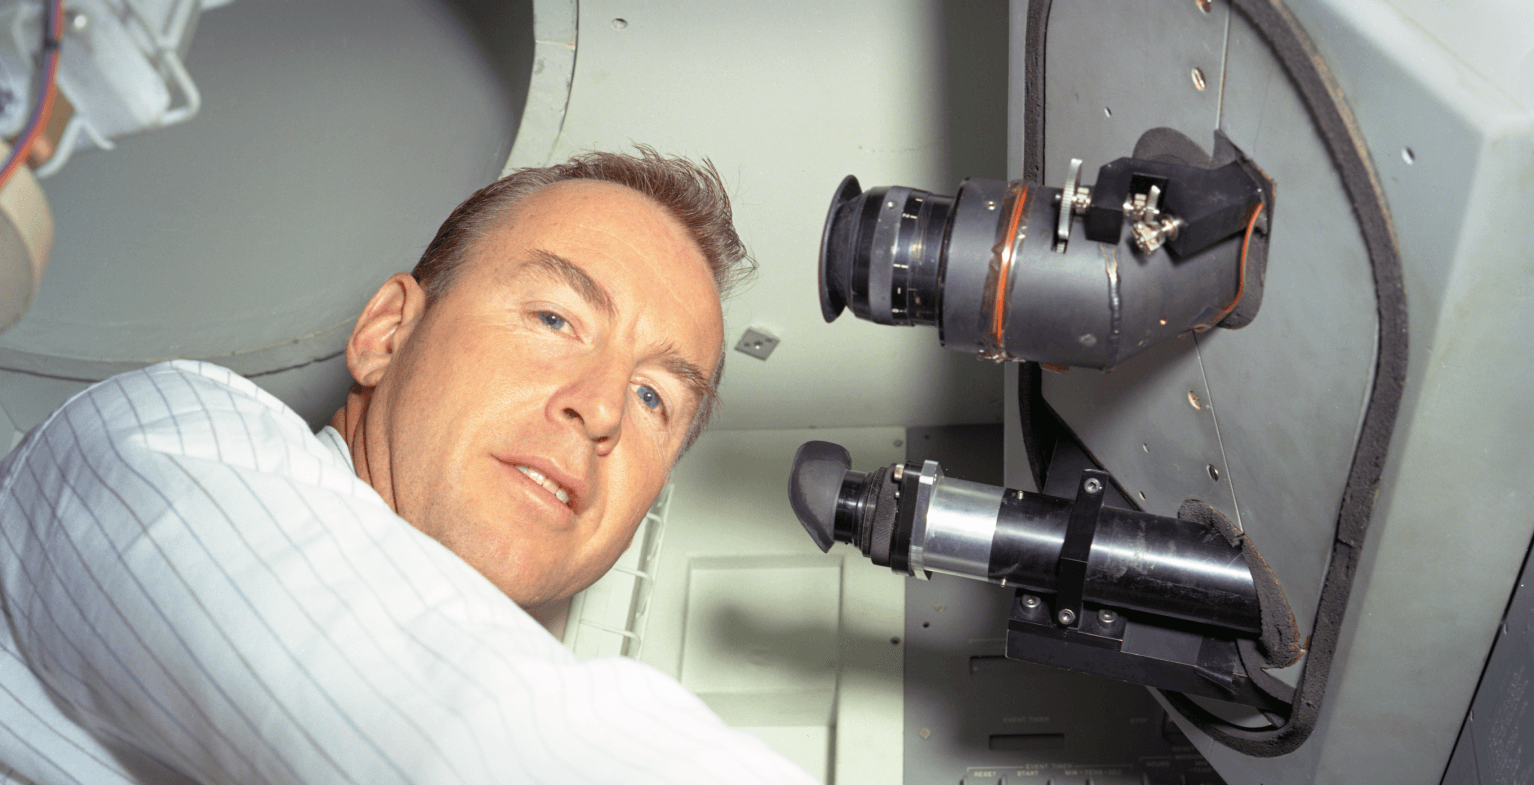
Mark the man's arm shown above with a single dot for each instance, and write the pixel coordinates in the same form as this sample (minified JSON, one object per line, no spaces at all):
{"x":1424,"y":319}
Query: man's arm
{"x":203,"y":580}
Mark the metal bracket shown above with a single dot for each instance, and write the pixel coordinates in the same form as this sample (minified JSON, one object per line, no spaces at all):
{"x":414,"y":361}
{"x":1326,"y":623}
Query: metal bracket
{"x":1101,"y":628}
{"x":1108,"y":643}
{"x":1071,"y":573}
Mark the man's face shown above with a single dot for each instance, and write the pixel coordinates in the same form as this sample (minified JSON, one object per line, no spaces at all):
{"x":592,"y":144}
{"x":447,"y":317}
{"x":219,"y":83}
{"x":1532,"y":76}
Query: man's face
{"x":530,"y":416}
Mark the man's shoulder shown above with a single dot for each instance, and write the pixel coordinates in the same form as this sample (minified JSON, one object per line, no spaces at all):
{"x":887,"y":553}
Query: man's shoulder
{"x":181,"y":407}
{"x":184,"y":385}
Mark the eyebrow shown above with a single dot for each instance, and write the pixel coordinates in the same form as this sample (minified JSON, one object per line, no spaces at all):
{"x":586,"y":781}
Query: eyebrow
{"x":693,"y":378}
{"x":570,"y":274}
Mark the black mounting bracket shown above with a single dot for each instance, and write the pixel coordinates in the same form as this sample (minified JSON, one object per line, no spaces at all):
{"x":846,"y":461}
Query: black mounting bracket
{"x":1064,"y":631}
{"x":1080,"y":529}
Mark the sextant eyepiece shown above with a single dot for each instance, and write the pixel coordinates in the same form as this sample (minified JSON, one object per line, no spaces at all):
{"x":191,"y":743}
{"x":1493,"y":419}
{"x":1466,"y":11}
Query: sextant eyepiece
{"x":881,"y":254}
{"x":833,"y":502}
{"x":814,"y":488}
{"x":1017,"y":270}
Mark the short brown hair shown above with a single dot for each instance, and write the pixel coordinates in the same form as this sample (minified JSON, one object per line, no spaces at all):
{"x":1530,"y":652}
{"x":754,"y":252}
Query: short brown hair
{"x":692,"y":193}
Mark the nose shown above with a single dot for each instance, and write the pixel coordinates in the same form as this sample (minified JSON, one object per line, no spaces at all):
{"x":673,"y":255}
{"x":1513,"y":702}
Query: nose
{"x":593,"y":401}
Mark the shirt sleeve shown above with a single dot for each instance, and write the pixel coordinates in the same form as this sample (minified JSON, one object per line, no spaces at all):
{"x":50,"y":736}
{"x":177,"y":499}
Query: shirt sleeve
{"x":201,"y":579}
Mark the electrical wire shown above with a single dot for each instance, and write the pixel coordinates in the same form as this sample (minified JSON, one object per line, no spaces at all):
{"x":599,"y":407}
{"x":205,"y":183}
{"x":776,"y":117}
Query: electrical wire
{"x":42,"y":108}
{"x":1246,"y":243}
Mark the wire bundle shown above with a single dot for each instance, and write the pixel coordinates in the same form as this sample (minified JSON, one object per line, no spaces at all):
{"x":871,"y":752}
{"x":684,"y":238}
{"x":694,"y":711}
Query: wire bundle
{"x":42,"y":107}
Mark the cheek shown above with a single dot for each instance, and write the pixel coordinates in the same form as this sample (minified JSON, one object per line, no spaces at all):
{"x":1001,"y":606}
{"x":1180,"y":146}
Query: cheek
{"x":634,"y":484}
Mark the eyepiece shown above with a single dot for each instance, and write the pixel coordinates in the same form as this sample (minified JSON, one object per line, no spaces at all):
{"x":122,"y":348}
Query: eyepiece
{"x":836,"y":273}
{"x":817,"y":488}
{"x":1005,"y":270}
{"x":881,"y":254}
{"x":836,"y":504}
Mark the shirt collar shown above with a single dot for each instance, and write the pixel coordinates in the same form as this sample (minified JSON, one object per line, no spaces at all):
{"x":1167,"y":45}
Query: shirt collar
{"x":331,"y":438}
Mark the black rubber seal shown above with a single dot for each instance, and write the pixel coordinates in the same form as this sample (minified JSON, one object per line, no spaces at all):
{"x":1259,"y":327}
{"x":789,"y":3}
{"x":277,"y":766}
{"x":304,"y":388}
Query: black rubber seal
{"x":1349,"y":153}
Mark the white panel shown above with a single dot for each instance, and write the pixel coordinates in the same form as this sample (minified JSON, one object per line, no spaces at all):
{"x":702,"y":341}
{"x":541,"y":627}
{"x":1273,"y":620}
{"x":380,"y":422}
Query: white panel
{"x":771,"y":632}
{"x":733,"y":642}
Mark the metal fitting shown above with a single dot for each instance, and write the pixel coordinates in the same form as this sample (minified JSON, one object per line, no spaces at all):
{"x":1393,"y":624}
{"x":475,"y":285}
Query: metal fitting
{"x":1065,"y":617}
{"x":1092,"y":485}
{"x":1107,"y":616}
{"x":1030,"y":601}
{"x":1150,"y":227}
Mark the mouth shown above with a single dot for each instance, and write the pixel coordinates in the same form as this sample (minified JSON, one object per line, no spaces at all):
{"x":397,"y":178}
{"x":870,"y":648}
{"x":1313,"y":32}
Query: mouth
{"x":548,"y":484}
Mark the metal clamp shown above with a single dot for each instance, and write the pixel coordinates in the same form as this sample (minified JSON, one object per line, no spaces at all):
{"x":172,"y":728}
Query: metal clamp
{"x":1080,"y":529}
{"x":1150,"y":227}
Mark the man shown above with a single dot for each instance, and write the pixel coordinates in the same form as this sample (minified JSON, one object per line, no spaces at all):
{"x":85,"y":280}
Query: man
{"x":197,"y":588}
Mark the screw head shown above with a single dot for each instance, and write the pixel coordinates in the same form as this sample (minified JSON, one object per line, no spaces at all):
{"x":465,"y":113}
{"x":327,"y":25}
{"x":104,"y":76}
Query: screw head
{"x":1106,"y":616}
{"x":1092,"y":485}
{"x":899,"y":472}
{"x":1065,"y":617}
{"x":1030,"y":601}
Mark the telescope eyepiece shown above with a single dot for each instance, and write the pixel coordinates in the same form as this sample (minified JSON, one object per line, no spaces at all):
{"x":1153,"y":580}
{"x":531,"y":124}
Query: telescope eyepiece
{"x":815,"y":490}
{"x":882,"y":252}
{"x":834,"y":503}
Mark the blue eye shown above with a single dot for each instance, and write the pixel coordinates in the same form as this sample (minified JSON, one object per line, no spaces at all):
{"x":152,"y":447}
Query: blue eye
{"x":553,"y":320}
{"x":649,"y":397}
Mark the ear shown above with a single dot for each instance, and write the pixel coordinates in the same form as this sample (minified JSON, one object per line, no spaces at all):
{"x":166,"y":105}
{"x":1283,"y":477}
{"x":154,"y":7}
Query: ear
{"x":384,"y":326}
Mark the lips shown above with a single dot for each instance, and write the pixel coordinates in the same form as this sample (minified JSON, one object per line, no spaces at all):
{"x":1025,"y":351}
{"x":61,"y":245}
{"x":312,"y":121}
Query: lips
{"x":548,"y":483}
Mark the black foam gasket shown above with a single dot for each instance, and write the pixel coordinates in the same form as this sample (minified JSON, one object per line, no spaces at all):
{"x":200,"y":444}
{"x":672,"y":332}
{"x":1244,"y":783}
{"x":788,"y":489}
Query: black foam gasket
{"x":1349,"y":153}
{"x":1279,"y":645}
{"x":1033,"y":98}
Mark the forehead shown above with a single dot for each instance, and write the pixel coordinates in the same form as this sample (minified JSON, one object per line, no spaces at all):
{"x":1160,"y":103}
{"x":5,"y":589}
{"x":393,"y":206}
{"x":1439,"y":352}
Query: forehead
{"x":641,"y":255}
{"x":609,"y":222}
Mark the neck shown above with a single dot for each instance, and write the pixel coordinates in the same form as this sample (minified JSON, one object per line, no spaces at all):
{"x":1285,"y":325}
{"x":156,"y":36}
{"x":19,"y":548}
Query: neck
{"x":350,"y":421}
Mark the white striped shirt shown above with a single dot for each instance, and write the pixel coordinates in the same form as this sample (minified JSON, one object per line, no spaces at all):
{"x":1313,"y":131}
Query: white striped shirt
{"x":197,"y":587}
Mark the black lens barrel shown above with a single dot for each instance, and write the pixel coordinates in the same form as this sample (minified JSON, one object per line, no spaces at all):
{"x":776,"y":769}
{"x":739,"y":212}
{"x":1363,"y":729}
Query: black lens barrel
{"x":1138,"y":561}
{"x":853,"y":502}
{"x":986,"y":268}
{"x":882,"y":254}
